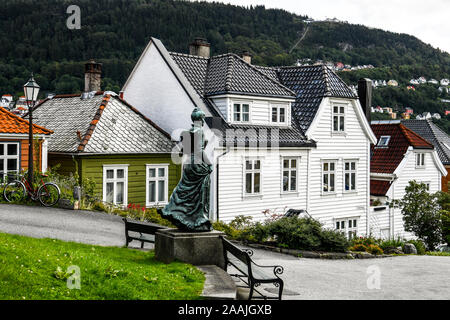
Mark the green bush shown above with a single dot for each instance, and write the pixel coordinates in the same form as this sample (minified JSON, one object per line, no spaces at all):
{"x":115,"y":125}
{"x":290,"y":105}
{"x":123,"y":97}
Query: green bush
{"x":445,"y":217}
{"x":391,"y":243}
{"x":366,"y":241}
{"x":420,"y":246}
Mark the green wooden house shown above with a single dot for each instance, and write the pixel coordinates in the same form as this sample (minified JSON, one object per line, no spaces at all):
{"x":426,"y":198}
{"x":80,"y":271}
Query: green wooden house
{"x":102,"y":137}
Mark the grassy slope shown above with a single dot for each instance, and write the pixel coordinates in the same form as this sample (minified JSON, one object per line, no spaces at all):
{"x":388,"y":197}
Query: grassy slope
{"x":27,"y":271}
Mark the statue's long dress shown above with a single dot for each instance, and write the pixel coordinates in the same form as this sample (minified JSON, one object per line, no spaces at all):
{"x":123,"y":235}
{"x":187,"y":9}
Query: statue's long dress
{"x":188,"y":207}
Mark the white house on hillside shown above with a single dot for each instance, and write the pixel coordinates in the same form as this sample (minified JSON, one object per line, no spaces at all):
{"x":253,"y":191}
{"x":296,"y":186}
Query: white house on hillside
{"x":399,"y":156}
{"x":286,"y":137}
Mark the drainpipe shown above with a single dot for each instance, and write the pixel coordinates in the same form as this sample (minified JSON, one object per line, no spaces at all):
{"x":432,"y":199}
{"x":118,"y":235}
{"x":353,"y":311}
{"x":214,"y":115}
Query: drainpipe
{"x":217,"y":181}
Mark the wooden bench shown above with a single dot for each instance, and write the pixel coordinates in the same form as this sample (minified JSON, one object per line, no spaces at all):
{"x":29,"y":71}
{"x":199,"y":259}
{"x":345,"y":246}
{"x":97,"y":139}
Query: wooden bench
{"x":145,"y":229}
{"x":251,"y":273}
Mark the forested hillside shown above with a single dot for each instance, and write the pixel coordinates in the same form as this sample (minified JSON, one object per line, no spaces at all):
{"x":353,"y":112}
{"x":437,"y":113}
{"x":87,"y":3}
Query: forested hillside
{"x":34,"y":37}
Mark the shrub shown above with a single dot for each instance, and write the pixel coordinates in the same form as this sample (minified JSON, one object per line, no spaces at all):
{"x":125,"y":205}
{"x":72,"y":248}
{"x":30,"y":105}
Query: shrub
{"x":359,"y":247}
{"x":366,"y":241}
{"x":374,"y":249}
{"x":422,"y":213}
{"x":420,"y":246}
{"x":391,"y":243}
{"x":306,"y":234}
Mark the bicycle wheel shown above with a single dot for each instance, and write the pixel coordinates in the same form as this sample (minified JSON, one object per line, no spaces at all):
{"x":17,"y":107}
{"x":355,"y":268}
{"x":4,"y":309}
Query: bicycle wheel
{"x":48,"y":194}
{"x":14,"y":191}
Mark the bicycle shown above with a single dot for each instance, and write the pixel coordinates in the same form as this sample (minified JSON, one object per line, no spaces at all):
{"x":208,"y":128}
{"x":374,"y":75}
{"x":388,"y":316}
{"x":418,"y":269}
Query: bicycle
{"x":48,"y":193}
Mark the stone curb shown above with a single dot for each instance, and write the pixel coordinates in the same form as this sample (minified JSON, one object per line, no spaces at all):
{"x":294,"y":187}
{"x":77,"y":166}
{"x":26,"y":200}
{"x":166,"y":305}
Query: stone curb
{"x":315,"y":255}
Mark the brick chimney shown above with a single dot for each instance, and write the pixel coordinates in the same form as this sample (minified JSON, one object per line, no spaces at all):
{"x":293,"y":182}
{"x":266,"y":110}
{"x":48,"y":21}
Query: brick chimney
{"x":92,"y":76}
{"x":200,"y":47}
{"x":365,"y":96}
{"x":247,"y":57}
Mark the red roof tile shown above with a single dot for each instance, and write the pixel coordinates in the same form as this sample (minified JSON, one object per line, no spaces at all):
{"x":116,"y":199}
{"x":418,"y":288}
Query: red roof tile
{"x":11,"y":123}
{"x":387,"y":159}
{"x":379,"y":188}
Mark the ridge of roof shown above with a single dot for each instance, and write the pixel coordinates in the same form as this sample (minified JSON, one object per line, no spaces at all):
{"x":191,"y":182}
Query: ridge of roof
{"x":84,"y":141}
{"x":25,"y":122}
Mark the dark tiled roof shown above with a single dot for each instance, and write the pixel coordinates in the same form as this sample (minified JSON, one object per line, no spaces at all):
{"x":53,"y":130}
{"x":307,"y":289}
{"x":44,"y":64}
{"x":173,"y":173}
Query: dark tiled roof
{"x":387,"y":159}
{"x":311,"y":84}
{"x":228,"y":73}
{"x":379,"y":188}
{"x":101,"y":124}
{"x":432,"y":133}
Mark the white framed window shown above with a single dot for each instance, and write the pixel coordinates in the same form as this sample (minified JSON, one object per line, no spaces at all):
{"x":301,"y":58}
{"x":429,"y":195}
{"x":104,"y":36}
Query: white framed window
{"x":241,"y":112}
{"x":420,"y":160}
{"x":329,"y":176}
{"x":290,"y":175}
{"x":252,"y":176}
{"x":278,"y":114}
{"x":157,"y":184}
{"x":349,"y":226}
{"x":339,"y":118}
{"x":115,"y":184}
{"x":383,"y":141}
{"x":350,"y":175}
{"x":9,"y":159}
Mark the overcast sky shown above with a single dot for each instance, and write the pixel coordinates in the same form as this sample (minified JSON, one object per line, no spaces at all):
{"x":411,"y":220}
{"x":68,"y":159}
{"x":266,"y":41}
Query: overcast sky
{"x":428,"y":20}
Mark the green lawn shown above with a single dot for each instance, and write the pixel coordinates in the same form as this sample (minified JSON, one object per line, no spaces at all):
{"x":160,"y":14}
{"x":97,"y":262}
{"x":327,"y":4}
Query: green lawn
{"x":36,"y":269}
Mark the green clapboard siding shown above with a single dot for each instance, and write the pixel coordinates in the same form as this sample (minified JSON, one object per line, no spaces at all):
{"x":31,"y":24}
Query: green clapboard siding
{"x":92,"y":167}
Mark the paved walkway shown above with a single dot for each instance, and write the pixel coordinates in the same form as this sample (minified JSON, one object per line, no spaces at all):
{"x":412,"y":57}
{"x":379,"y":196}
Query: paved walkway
{"x":68,"y":225}
{"x":402,"y":277}
{"x":406,"y":277}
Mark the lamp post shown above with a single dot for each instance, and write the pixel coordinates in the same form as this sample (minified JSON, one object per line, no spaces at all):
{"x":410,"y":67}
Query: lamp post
{"x":31,"y":90}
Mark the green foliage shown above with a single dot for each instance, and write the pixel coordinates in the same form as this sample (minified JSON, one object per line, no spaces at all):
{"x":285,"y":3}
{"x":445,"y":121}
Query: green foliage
{"x":420,"y":246}
{"x":444,"y":201}
{"x":391,"y":243}
{"x":294,"y":233}
{"x":36,"y":269}
{"x":421,"y":214}
{"x":115,"y":33}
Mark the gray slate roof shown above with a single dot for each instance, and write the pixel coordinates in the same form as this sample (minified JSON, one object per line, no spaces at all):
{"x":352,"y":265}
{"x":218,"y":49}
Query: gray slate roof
{"x":120,"y":127}
{"x":228,"y":73}
{"x":311,"y":84}
{"x":433,"y":134}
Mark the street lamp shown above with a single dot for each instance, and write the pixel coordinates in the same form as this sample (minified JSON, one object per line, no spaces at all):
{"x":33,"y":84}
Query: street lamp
{"x":31,"y":89}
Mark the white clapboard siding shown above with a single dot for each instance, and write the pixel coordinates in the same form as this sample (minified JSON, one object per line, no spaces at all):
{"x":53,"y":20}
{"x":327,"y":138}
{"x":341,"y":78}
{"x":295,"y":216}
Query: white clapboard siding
{"x":354,"y":145}
{"x":233,"y":202}
{"x":429,"y":174}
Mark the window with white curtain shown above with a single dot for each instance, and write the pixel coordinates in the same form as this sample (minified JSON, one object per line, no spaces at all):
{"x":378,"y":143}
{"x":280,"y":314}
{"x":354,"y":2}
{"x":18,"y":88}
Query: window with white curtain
{"x":115,"y":184}
{"x":157,"y":184}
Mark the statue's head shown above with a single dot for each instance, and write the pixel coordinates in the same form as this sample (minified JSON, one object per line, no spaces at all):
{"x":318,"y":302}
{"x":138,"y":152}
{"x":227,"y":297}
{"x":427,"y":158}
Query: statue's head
{"x":197,"y":116}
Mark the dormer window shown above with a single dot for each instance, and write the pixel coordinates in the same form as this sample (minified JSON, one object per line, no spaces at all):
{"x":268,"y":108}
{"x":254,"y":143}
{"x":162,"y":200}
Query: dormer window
{"x":384,"y":141}
{"x":241,"y":112}
{"x":278,"y":114}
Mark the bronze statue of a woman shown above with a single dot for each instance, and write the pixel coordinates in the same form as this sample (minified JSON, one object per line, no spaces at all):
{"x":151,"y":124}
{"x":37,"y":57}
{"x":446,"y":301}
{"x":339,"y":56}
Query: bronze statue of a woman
{"x":188,"y":207}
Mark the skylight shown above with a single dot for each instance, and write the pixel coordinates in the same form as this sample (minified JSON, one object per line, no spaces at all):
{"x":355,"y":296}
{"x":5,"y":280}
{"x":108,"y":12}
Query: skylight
{"x":384,"y":141}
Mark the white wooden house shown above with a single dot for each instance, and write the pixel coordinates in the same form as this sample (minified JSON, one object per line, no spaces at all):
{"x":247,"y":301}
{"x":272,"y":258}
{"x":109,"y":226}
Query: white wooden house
{"x":285,"y":137}
{"x":400,"y":156}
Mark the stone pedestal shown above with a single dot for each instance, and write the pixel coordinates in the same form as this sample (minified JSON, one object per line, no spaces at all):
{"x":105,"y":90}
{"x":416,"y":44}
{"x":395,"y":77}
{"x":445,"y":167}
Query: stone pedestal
{"x":197,"y":248}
